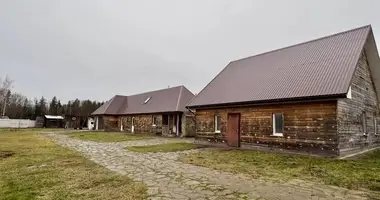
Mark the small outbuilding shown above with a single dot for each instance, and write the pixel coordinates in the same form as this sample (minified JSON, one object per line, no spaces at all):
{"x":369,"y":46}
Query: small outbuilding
{"x":53,"y":121}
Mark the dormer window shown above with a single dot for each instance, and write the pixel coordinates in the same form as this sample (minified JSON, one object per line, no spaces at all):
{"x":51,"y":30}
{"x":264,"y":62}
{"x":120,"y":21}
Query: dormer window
{"x":146,"y":101}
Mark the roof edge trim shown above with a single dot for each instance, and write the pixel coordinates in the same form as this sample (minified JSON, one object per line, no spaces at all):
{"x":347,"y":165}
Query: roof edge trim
{"x":359,"y":56}
{"x":195,"y":96}
{"x":105,"y":110}
{"x":179,"y":97}
{"x":270,"y":101}
{"x":301,"y":43}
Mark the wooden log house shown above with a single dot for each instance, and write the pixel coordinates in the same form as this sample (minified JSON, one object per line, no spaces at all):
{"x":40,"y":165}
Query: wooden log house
{"x":161,"y":112}
{"x":320,"y":97}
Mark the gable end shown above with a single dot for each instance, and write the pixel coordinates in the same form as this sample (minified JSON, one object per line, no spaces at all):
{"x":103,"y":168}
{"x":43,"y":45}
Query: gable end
{"x":373,"y":62}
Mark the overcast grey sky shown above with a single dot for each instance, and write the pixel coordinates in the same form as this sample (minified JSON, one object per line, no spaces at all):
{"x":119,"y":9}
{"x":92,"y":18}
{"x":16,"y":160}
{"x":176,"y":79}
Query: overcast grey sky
{"x":94,"y":49}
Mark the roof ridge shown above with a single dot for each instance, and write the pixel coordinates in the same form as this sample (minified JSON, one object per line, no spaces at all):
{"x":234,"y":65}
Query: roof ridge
{"x":358,"y":59}
{"x":179,"y":97}
{"x":195,"y":95}
{"x":154,"y":91}
{"x":110,"y":102}
{"x":310,"y":41}
{"x":184,"y":87}
{"x":125,"y":101}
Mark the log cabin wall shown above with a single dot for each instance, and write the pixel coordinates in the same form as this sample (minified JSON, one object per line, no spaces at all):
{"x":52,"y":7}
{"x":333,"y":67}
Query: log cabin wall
{"x":307,"y":127}
{"x":358,"y":113}
{"x":127,"y":123}
{"x":111,"y":123}
{"x":188,"y":125}
{"x":100,"y":122}
{"x":142,"y":123}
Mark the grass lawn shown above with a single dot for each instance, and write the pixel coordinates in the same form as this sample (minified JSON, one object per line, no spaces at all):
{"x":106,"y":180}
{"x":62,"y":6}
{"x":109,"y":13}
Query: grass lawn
{"x":98,"y":136}
{"x":363,"y":173}
{"x":30,"y":129}
{"x":169,"y":147}
{"x":33,"y":167}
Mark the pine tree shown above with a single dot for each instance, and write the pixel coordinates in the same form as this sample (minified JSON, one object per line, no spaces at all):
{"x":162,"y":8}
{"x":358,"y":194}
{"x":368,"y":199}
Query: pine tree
{"x":68,"y":109}
{"x":59,"y":108}
{"x":42,"y":106}
{"x":53,"y":109}
{"x":37,"y":110}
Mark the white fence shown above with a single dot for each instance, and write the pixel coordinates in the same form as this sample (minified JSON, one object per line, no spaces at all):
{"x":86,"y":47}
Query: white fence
{"x":17,"y":123}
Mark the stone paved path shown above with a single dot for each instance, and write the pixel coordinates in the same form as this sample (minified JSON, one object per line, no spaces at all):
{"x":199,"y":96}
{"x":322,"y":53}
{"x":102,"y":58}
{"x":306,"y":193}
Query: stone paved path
{"x":168,"y":178}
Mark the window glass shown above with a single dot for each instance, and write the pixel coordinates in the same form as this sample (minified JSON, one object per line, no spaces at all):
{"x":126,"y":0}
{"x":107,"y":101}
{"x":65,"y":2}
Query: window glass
{"x":146,"y":101}
{"x":278,"y":124}
{"x":217,"y":123}
{"x":154,"y":120}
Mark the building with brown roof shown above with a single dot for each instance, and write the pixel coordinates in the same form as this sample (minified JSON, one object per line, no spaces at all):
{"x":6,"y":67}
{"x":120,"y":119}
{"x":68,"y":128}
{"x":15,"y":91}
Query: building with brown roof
{"x":318,"y":97}
{"x":159,"y":112}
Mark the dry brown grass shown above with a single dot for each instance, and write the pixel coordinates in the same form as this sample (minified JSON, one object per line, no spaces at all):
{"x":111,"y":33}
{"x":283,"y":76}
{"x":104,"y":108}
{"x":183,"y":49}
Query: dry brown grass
{"x":38,"y":169}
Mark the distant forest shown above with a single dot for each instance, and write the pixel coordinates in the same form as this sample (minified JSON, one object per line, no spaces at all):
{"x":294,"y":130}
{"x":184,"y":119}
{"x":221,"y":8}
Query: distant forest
{"x":18,"y":106}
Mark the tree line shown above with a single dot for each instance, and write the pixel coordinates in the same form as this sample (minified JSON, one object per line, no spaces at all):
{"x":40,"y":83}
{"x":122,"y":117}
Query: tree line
{"x":18,"y":106}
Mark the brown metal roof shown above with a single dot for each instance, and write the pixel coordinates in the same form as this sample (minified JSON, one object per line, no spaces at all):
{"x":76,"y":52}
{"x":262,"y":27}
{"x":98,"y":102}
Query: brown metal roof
{"x":172,"y":99}
{"x":319,"y":67}
{"x":112,"y":106}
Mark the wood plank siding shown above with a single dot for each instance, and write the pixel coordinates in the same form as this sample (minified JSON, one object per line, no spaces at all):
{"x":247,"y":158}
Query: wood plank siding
{"x":307,"y":127}
{"x":143,"y":123}
{"x":359,"y":113}
{"x":111,"y":123}
{"x":188,"y":125}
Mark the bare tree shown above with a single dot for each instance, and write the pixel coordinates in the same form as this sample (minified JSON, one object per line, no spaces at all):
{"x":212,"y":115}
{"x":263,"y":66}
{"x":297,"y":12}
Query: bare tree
{"x":5,"y":87}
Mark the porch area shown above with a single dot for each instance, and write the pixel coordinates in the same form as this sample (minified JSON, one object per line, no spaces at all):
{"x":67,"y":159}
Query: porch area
{"x":172,"y":124}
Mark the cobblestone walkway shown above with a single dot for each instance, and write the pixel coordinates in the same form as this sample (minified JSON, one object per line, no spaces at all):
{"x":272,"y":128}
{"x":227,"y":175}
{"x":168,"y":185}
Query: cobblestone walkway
{"x":168,"y":178}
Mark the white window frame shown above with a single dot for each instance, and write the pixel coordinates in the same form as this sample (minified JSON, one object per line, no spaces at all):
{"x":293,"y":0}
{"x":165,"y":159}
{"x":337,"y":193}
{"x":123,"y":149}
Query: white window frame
{"x":274,"y":125}
{"x":216,"y":124}
{"x":364,"y":122}
{"x":121,"y":124}
{"x":154,"y":120}
{"x":375,"y":123}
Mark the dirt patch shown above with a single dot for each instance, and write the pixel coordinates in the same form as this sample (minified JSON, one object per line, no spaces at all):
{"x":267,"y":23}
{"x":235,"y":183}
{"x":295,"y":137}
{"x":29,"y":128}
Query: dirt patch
{"x":6,"y":154}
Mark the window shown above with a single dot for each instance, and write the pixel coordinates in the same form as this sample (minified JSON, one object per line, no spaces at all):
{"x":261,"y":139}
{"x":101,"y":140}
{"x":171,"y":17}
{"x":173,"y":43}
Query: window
{"x":154,"y":120}
{"x":375,"y":123}
{"x":146,"y":101}
{"x":278,"y":124}
{"x":364,"y":121}
{"x":165,"y":119}
{"x":217,"y":123}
